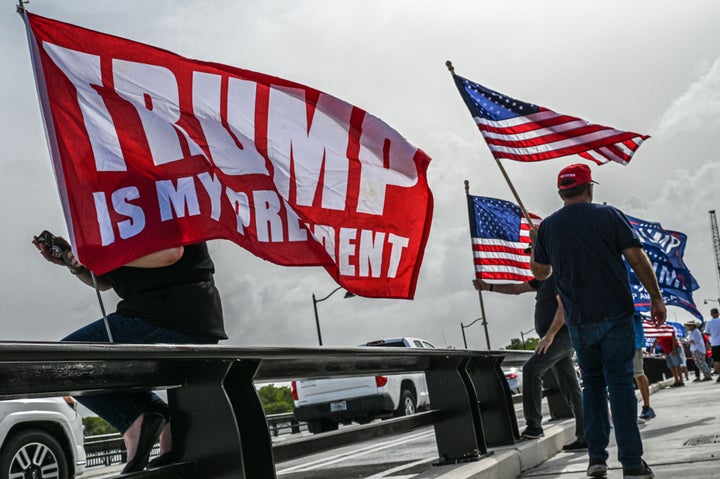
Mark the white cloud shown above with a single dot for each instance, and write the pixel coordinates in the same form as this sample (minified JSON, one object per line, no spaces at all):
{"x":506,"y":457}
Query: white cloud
{"x":697,"y":109}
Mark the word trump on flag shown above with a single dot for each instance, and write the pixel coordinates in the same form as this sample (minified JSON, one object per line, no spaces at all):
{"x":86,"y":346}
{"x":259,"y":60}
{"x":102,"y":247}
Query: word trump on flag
{"x":665,"y":249}
{"x":152,"y":150}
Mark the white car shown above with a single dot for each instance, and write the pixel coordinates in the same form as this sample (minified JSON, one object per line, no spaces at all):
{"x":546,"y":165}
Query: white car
{"x":324,"y":403}
{"x":513,"y":376}
{"x":41,"y":438}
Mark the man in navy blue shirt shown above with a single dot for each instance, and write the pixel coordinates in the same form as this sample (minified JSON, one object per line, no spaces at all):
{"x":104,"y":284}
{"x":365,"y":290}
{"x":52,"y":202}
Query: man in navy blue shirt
{"x":583,"y":245}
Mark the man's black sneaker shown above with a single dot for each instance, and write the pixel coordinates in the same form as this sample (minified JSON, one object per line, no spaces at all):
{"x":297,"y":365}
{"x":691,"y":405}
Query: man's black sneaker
{"x":576,"y":446}
{"x":642,"y":472}
{"x":597,"y":468}
{"x":530,"y":433}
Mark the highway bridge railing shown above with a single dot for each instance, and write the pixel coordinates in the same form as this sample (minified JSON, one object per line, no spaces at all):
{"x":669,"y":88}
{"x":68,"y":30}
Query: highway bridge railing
{"x":219,"y":426}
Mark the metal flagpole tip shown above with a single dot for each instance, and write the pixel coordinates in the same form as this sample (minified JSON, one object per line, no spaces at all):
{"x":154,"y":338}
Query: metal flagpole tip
{"x":450,"y":66}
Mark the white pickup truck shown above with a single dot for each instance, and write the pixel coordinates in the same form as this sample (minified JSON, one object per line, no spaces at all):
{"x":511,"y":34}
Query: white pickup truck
{"x":324,"y":403}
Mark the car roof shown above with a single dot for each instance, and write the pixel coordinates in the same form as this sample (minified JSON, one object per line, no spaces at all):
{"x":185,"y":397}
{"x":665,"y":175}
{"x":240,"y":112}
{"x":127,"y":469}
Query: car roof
{"x":395,"y":342}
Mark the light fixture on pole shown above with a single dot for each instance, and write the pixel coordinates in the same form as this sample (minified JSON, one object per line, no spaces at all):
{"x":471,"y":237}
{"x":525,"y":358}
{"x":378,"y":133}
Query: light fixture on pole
{"x":522,"y":336}
{"x":463,"y":326}
{"x":710,"y":299}
{"x":348,"y":294}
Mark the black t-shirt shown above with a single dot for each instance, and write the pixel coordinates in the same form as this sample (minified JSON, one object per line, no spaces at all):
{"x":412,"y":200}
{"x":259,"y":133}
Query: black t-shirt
{"x":545,"y":304}
{"x":584,"y":243}
{"x":181,"y":297}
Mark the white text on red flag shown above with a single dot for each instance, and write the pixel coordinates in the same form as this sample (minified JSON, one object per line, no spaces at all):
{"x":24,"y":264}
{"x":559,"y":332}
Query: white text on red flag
{"x":152,"y":149}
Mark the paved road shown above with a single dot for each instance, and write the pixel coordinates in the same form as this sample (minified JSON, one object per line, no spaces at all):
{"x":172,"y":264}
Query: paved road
{"x":402,"y":456}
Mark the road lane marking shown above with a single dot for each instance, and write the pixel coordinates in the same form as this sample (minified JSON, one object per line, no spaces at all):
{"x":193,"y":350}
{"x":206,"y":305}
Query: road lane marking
{"x":399,"y":468}
{"x":354,"y":453}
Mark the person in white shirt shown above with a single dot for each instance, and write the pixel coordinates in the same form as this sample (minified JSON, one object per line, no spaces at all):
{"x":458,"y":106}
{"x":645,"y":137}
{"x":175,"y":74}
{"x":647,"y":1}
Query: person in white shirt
{"x":712,"y":329}
{"x":697,"y":349}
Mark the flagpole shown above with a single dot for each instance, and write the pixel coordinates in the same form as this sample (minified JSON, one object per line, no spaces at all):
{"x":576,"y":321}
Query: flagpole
{"x":451,"y":68}
{"x":480,"y":296}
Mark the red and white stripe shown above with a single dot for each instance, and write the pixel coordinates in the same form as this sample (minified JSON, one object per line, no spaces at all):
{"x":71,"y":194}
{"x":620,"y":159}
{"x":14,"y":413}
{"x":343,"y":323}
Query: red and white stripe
{"x":546,"y":135}
{"x":652,"y":331}
{"x":504,"y":260}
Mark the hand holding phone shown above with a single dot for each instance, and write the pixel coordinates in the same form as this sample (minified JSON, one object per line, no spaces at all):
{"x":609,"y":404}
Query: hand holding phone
{"x":55,"y":248}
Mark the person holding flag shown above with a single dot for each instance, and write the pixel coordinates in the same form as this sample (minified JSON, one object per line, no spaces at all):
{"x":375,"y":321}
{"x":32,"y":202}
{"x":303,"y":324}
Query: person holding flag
{"x":582,"y":245}
{"x":167,"y":297}
{"x":553,"y":353}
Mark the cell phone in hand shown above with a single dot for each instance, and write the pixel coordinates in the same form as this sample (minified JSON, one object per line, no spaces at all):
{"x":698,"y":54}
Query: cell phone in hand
{"x":59,"y":249}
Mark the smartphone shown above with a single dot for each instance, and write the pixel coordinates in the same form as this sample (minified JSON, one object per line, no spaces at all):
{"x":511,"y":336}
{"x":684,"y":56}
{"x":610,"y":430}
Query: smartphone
{"x":57,"y":248}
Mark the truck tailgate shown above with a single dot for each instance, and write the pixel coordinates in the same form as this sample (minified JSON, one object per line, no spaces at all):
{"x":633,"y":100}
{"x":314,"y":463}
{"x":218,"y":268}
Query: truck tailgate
{"x":313,"y":391}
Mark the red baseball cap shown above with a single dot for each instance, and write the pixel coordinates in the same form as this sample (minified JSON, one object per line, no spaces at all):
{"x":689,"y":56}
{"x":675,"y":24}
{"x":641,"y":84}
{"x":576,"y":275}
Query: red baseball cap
{"x":574,"y":175}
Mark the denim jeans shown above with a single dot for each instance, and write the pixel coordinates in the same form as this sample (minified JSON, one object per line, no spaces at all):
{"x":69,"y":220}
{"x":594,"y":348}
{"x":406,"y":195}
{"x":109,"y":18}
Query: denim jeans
{"x":121,"y":409}
{"x":558,"y":359}
{"x":605,"y":352}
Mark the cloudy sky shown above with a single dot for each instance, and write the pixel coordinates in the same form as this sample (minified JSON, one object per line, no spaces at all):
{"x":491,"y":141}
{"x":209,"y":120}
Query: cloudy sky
{"x":651,"y":67}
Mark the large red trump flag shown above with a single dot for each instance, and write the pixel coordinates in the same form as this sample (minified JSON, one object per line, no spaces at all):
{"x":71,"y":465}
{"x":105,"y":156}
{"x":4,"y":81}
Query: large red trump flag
{"x":152,"y":150}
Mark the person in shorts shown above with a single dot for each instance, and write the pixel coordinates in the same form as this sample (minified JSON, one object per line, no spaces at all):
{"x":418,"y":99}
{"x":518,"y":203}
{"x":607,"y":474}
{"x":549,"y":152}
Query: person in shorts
{"x":697,"y":348}
{"x":672,"y":351}
{"x":712,"y":329}
{"x":642,"y":381}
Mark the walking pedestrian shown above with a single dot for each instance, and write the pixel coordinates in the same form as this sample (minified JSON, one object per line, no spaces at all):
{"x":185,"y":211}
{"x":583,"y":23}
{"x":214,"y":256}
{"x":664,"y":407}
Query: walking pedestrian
{"x":582,"y":245}
{"x":697,"y":349}
{"x":712,"y":329}
{"x":641,"y":380}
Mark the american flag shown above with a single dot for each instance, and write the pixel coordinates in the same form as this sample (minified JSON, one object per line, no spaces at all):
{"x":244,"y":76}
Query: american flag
{"x":666,"y":330}
{"x":500,"y":234}
{"x":521,"y":131}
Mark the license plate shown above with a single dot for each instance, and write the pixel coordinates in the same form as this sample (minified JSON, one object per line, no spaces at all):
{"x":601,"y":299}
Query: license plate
{"x":338,"y":406}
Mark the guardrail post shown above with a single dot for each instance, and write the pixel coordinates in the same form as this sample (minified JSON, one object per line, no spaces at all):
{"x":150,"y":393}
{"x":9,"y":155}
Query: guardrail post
{"x":251,"y":421}
{"x":558,"y":405}
{"x":459,"y":435}
{"x":294,"y":426}
{"x":656,"y":369}
{"x":204,"y":428}
{"x":494,"y":398}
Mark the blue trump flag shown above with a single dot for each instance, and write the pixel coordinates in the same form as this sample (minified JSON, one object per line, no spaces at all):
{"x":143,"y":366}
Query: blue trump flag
{"x":665,"y":248}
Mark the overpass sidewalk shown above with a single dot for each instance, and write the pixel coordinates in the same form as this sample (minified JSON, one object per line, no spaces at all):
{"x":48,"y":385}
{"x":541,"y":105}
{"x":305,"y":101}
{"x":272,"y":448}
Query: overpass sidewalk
{"x":682,"y":441}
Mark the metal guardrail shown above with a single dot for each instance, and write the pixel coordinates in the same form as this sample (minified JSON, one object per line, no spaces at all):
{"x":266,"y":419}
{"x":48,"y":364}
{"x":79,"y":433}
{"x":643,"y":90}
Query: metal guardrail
{"x":104,"y":450}
{"x":219,"y":426}
{"x":108,"y":449}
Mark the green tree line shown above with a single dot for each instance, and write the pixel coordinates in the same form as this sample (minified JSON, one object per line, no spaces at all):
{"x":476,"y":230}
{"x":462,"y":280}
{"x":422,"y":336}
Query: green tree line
{"x":275,"y":400}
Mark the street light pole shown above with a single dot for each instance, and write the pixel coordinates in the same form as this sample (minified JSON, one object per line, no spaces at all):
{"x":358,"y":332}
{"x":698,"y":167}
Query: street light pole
{"x":348,"y":294}
{"x":462,"y":328}
{"x":522,"y":336}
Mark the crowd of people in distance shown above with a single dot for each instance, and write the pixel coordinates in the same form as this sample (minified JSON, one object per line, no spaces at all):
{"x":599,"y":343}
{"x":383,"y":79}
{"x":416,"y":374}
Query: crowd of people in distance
{"x":698,"y":352}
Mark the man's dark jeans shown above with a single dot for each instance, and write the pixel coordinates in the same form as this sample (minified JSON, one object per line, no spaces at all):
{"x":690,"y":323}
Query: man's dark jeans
{"x":605,"y":351}
{"x":557,"y":359}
